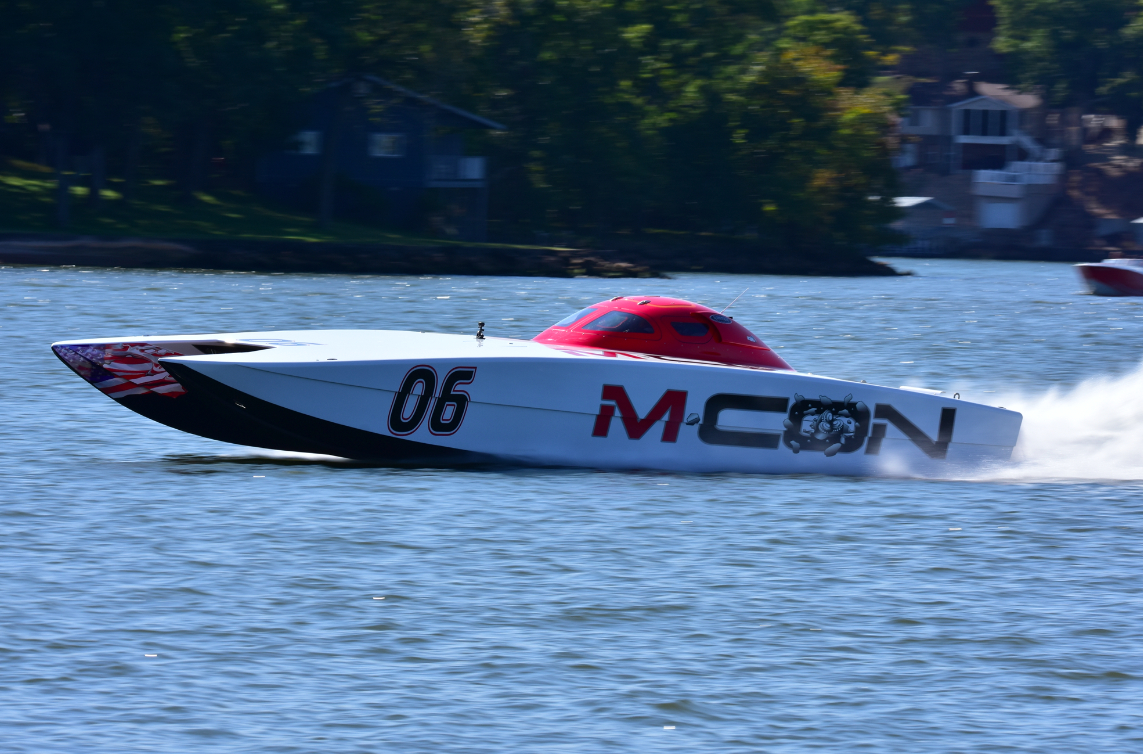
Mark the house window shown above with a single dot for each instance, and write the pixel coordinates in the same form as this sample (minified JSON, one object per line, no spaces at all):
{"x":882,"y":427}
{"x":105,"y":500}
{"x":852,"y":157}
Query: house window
{"x":307,"y":142}
{"x":386,"y":145}
{"x":984,"y":123}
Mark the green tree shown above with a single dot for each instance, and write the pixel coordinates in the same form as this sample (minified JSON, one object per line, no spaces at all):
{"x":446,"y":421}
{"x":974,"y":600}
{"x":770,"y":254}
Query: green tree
{"x":893,"y":25}
{"x":232,"y":71}
{"x":694,"y":115}
{"x":841,"y":38}
{"x":607,"y":101}
{"x":1123,"y":93}
{"x":1068,"y":48}
{"x":813,"y":157}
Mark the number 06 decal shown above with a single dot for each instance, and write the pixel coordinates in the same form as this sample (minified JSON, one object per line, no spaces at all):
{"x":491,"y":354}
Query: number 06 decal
{"x":403,"y":418}
{"x":410,"y":405}
{"x":451,"y":405}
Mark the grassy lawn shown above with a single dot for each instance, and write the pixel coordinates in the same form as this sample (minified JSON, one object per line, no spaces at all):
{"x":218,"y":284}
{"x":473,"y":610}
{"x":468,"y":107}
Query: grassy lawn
{"x":27,"y":204}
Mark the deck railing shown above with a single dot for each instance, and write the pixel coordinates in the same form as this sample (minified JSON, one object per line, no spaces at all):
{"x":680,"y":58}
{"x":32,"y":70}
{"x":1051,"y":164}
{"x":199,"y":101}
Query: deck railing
{"x":1042,"y":173}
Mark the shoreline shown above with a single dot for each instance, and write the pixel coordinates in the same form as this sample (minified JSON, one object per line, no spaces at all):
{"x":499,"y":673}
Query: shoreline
{"x":1007,"y":254}
{"x":257,"y":255}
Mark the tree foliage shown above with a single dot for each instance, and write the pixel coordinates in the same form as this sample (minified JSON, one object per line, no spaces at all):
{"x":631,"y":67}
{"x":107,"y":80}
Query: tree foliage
{"x":622,"y":115}
{"x":1080,"y":53}
{"x":1069,"y":48}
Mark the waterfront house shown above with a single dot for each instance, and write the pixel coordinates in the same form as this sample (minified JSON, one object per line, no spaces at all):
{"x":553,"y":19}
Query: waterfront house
{"x":992,"y":131}
{"x":929,"y":226}
{"x":399,"y":158}
{"x":972,"y":125}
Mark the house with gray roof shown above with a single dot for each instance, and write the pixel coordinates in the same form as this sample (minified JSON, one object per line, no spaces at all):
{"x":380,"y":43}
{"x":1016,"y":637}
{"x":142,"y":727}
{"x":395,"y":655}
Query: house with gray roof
{"x":399,"y":157}
{"x":993,"y":131}
{"x":972,"y":125}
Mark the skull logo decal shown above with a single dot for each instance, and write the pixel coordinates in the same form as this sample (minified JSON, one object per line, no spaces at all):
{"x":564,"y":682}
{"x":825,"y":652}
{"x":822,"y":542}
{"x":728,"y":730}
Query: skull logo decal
{"x":826,"y":425}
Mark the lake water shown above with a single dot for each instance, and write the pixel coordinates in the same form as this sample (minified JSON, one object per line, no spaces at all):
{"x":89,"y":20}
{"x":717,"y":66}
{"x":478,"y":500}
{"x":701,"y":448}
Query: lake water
{"x":576,"y":610}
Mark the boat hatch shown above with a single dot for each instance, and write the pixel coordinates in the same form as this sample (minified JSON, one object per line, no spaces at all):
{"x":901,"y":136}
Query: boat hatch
{"x":661,"y":326}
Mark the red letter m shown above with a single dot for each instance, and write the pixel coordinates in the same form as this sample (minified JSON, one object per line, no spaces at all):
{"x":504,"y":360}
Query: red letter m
{"x":673,"y":401}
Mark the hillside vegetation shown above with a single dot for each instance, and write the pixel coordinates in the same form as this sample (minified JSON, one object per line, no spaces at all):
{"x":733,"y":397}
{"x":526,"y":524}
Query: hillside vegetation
{"x":732,"y":117}
{"x":27,"y":201}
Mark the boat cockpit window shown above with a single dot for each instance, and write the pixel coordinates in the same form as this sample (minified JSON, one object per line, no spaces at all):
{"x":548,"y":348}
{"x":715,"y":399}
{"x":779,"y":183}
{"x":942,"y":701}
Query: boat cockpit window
{"x":620,"y":322}
{"x":690,"y":329}
{"x":571,"y":319}
{"x":722,"y":319}
{"x":223,"y":348}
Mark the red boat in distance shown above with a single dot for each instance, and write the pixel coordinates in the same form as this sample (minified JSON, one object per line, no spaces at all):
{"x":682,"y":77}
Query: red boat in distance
{"x":1117,"y":276}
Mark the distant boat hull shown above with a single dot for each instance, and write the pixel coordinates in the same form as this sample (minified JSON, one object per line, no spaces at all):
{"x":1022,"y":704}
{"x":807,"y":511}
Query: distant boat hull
{"x":1113,"y":277}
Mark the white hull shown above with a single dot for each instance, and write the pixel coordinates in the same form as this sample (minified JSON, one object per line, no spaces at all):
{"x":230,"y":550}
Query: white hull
{"x":523,"y":402}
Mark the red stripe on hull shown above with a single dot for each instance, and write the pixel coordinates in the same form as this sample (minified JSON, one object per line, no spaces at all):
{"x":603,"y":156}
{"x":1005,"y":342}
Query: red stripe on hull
{"x":1112,"y":280}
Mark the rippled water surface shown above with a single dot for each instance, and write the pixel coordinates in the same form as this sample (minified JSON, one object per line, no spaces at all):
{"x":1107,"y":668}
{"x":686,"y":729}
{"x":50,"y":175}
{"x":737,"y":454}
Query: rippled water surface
{"x":296,"y":604}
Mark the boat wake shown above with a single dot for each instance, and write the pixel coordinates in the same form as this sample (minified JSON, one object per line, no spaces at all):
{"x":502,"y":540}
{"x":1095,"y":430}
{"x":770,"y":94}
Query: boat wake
{"x":1093,"y":431}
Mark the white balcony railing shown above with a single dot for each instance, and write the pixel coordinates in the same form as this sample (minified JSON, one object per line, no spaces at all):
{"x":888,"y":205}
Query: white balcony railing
{"x":1040,"y":168}
{"x":1007,"y":176}
{"x":1027,"y":173}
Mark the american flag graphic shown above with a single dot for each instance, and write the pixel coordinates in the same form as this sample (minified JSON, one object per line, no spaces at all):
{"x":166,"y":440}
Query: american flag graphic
{"x":122,"y":369}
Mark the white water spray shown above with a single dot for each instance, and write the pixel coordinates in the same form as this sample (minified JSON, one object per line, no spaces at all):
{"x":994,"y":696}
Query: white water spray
{"x":1092,"y":431}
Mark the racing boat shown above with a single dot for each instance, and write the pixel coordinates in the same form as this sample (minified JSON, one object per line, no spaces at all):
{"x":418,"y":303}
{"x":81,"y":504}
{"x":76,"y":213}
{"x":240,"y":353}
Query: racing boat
{"x":1113,"y":277}
{"x":632,"y":382}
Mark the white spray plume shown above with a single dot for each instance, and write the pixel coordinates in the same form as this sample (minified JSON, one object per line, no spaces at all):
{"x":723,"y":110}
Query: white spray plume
{"x":1092,"y":431}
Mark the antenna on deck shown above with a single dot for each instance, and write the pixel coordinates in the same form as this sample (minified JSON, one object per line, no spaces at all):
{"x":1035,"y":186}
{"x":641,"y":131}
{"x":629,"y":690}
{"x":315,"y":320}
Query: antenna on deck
{"x":480,"y":331}
{"x":735,"y":299}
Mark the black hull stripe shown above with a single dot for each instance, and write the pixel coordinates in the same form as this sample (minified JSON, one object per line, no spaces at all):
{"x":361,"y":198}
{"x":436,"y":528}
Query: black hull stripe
{"x":218,"y":412}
